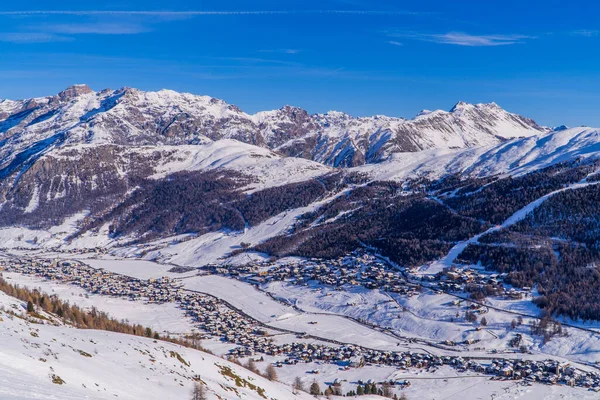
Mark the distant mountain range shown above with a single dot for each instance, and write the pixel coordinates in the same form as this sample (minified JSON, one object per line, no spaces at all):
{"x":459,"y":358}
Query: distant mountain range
{"x":191,"y":180}
{"x":130,"y":117}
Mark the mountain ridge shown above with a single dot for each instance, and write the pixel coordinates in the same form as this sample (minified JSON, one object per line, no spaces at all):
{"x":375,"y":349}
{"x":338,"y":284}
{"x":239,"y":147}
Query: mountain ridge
{"x":120,"y":168}
{"x":131,"y":116}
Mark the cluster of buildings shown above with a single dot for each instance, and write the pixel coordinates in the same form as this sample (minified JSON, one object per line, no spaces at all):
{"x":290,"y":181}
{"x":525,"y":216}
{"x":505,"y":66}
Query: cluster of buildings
{"x":550,"y":372}
{"x":97,"y":281}
{"x":357,"y":269}
{"x":212,"y":316}
{"x":461,"y":279}
{"x":219,"y":320}
{"x":364,"y":269}
{"x":546,"y":372}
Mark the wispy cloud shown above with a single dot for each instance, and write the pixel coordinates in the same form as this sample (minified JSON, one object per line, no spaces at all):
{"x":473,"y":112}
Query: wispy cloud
{"x":281,"y":51}
{"x":465,"y":39}
{"x":255,"y":61}
{"x":32,"y":37}
{"x":130,"y":22}
{"x":207,"y":13}
{"x":395,"y":43}
{"x":586,"y":32}
{"x":100,"y":28}
{"x":64,"y":32}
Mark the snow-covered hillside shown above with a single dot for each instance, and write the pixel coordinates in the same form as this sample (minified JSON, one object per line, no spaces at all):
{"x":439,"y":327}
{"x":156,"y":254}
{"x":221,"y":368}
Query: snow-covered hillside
{"x":515,"y":157}
{"x":268,"y":169}
{"x":266,"y":166}
{"x":43,"y":361}
{"x":464,"y":126}
{"x":83,"y":153}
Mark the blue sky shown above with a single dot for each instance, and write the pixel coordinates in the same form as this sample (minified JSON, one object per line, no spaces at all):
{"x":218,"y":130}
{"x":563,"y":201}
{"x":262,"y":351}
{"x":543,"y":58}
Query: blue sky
{"x":537,"y":58}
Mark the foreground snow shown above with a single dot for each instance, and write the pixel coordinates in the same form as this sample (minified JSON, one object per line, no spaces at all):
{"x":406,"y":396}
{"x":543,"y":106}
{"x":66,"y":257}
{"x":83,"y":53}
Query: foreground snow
{"x":428,"y":316}
{"x":104,"y":365}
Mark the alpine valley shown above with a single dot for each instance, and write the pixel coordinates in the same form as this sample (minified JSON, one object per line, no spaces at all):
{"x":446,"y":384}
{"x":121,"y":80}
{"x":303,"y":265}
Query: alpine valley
{"x":369,"y":252}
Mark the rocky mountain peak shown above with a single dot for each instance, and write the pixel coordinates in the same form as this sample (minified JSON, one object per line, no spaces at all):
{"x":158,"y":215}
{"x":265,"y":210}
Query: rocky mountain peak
{"x":461,"y":105}
{"x":74,"y":91}
{"x":294,"y":112}
{"x":336,"y":114}
{"x":424,"y":112}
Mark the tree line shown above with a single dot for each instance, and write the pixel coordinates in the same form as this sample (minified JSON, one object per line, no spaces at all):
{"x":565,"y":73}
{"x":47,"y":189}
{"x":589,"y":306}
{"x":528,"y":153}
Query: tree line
{"x":74,"y":315}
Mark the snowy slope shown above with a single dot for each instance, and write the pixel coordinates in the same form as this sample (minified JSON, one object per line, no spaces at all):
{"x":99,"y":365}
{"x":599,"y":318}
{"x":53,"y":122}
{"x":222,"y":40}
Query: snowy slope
{"x":211,"y":247}
{"x":516,"y":156}
{"x":267,"y":167}
{"x":104,"y":365}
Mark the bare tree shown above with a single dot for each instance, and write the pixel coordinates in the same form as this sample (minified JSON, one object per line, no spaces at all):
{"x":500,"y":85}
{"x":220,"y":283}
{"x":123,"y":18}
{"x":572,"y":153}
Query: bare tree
{"x":298,"y":385}
{"x":270,"y":373}
{"x":199,"y":392}
{"x":470,"y":316}
{"x":251,"y":365}
{"x":315,"y":390}
{"x":196,"y":342}
{"x":387,"y":390}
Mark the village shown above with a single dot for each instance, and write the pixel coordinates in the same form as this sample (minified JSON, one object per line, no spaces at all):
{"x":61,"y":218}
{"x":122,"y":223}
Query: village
{"x":213,"y":317}
{"x":357,"y":269}
{"x":216,"y":319}
{"x":361,"y":268}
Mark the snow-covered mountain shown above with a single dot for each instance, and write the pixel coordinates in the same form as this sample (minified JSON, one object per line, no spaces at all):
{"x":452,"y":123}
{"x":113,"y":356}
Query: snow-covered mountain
{"x":187,"y":181}
{"x":86,"y":151}
{"x":118,"y":167}
{"x":39,"y":360}
{"x":372,"y":139}
{"x":133,"y":117}
{"x":190,"y":180}
{"x":515,"y":157}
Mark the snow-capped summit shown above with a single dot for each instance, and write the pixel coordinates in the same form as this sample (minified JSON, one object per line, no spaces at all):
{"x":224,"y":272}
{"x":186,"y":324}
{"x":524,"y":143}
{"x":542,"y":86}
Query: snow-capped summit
{"x":130,"y":116}
{"x":515,"y":157}
{"x":461,"y":105}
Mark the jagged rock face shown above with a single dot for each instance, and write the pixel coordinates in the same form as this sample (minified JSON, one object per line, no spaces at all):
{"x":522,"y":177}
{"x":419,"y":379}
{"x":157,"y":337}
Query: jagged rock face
{"x":41,"y":190}
{"x":74,"y":91}
{"x":341,"y":140}
{"x":284,"y":126}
